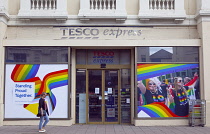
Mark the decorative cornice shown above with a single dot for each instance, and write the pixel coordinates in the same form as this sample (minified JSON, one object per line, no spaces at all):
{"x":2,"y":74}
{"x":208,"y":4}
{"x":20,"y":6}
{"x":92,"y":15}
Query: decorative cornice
{"x":203,"y":16}
{"x":4,"y":17}
{"x":74,"y":20}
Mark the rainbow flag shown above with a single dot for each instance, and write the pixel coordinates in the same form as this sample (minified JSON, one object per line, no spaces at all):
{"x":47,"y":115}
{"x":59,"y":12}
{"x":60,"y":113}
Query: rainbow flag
{"x":157,"y":109}
{"x":145,"y":71}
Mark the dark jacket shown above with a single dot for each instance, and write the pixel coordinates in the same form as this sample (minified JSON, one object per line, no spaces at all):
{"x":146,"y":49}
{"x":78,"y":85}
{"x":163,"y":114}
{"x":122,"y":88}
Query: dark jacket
{"x":42,"y":105}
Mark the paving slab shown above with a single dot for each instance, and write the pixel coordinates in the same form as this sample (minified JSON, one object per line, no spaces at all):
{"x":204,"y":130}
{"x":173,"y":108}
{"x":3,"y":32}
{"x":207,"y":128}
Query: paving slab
{"x":106,"y":129}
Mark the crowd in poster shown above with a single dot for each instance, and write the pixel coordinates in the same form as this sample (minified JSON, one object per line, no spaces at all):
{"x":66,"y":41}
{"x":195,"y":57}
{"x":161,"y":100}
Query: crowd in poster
{"x":164,"y":90}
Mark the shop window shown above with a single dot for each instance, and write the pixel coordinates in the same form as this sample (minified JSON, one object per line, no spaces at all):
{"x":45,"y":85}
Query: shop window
{"x":81,"y":96}
{"x":167,"y":54}
{"x":125,"y":93}
{"x":143,"y":58}
{"x":37,"y":54}
{"x":166,"y":81}
{"x":125,"y":57}
{"x":29,"y":71}
{"x":81,"y":56}
{"x":19,"y":57}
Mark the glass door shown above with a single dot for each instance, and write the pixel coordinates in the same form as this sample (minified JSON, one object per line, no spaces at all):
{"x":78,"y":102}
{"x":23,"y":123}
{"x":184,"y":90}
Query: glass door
{"x":94,"y":96}
{"x":111,"y":96}
{"x":103,"y":100}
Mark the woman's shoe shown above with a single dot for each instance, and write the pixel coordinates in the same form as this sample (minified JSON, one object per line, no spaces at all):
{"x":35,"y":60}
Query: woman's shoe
{"x":41,"y":131}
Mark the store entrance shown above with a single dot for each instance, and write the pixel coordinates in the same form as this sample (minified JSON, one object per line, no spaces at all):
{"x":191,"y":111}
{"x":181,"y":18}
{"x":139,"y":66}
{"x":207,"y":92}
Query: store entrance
{"x":102,"y":95}
{"x":103,"y":86}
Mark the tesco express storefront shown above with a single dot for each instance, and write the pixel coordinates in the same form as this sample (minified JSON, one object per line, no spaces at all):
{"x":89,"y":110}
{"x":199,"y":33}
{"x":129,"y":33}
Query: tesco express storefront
{"x":99,"y":75}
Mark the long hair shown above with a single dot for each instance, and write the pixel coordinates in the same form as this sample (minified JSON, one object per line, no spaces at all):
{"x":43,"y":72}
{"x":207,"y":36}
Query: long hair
{"x":177,"y":87}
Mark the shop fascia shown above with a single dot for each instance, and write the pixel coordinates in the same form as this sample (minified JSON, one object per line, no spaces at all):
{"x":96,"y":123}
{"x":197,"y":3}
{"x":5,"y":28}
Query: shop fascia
{"x":97,"y":32}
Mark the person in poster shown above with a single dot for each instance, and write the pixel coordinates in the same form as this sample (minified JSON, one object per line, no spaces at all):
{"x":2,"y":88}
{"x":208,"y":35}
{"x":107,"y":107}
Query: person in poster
{"x":191,"y":82}
{"x":197,"y":89}
{"x":44,"y":113}
{"x":140,"y":97}
{"x":152,"y":91}
{"x":180,"y":97}
{"x":164,"y":88}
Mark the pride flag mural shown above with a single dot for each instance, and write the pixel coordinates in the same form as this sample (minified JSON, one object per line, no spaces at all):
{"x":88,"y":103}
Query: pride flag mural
{"x":161,"y":99}
{"x":145,"y":71}
{"x":24,"y":72}
{"x":52,"y":79}
{"x":156,"y":110}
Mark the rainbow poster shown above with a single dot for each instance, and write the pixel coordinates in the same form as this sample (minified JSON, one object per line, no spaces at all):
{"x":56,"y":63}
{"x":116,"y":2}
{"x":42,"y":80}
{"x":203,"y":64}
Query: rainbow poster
{"x":164,"y":89}
{"x":145,"y":71}
{"x":49,"y":78}
{"x":156,"y":110}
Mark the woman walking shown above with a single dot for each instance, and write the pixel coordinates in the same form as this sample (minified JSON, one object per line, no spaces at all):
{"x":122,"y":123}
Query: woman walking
{"x":43,"y":113}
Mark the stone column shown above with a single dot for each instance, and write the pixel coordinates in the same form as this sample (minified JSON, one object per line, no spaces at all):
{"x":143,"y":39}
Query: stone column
{"x":203,"y":19}
{"x":3,"y":26}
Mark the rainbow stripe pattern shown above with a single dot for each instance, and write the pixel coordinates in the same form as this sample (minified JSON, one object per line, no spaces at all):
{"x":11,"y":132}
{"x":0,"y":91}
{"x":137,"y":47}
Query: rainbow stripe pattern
{"x":182,"y":98}
{"x":172,"y":106}
{"x":37,"y":82}
{"x":54,"y":80}
{"x":157,"y":109}
{"x":190,"y":92}
{"x":24,"y":72}
{"x":145,"y":71}
{"x":27,"y":73}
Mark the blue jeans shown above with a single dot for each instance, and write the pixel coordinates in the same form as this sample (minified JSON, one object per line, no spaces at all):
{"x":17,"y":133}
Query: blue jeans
{"x":42,"y":118}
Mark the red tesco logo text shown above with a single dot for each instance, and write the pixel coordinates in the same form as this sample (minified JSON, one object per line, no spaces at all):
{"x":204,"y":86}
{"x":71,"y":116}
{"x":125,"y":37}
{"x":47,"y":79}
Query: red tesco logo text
{"x":103,"y":53}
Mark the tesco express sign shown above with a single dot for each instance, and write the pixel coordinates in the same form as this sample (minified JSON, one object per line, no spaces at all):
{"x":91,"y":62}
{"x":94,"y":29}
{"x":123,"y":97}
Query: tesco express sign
{"x":73,"y":33}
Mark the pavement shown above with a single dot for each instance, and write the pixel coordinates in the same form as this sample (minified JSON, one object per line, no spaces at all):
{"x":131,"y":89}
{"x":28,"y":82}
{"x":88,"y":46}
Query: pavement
{"x":106,"y":129}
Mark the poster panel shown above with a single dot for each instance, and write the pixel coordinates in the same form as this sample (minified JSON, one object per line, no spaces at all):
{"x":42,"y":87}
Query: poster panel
{"x":163,"y":90}
{"x":110,"y":112}
{"x":25,"y":83}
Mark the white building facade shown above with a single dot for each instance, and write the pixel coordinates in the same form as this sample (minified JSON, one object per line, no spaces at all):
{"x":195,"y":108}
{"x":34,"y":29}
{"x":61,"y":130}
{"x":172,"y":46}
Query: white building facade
{"x":104,"y":61}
